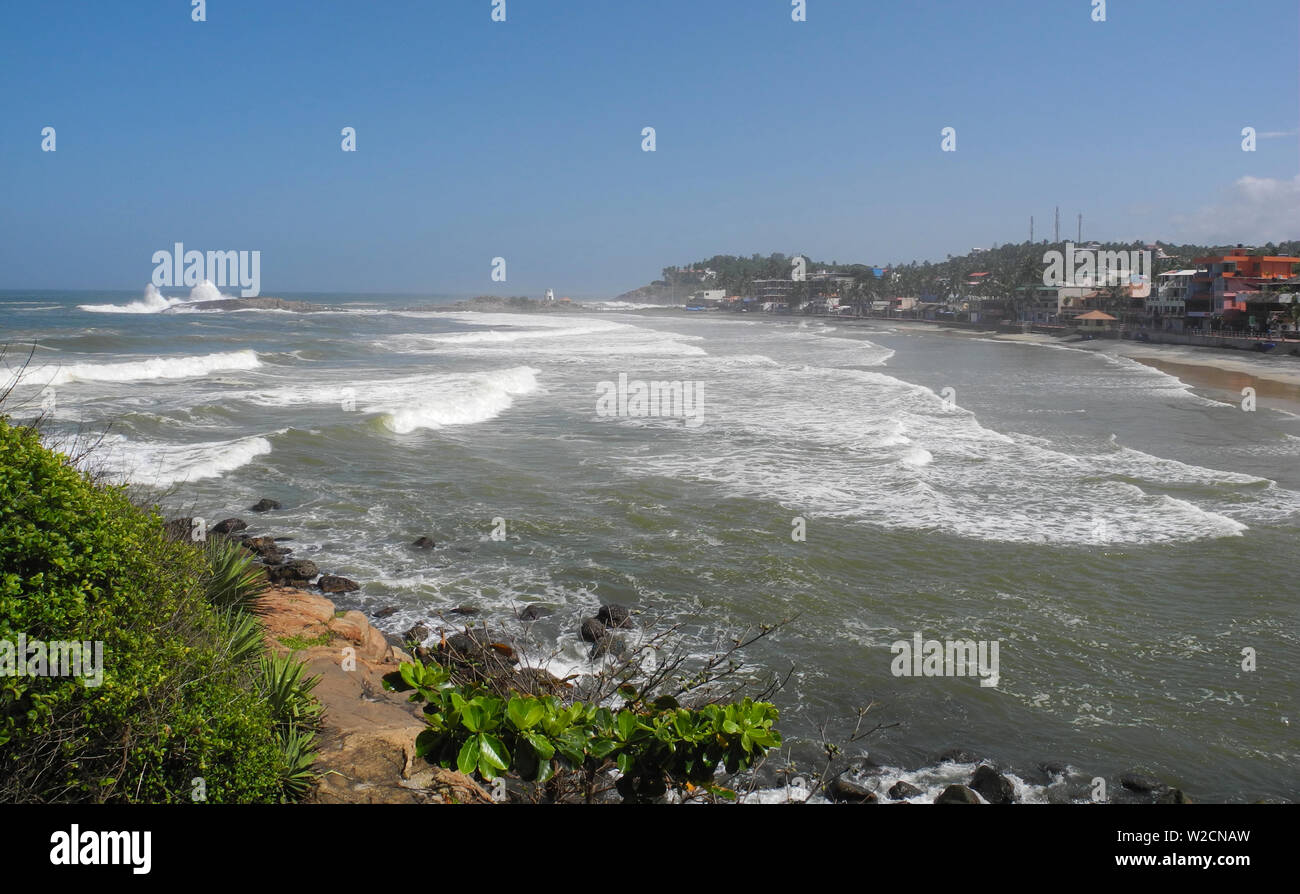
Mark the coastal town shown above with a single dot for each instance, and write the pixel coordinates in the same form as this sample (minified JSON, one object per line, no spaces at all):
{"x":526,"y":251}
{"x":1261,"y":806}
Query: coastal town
{"x":1236,"y":293}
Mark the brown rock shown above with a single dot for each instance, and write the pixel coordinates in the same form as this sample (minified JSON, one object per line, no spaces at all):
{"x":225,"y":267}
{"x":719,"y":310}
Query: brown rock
{"x":331,"y":583}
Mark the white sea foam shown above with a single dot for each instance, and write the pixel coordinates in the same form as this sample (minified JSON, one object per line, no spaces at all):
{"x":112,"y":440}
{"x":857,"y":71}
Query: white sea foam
{"x":155,"y":302}
{"x":571,"y":338}
{"x":163,"y":464}
{"x":407,"y":403}
{"x":628,"y":305}
{"x":175,"y":367}
{"x":960,"y":477}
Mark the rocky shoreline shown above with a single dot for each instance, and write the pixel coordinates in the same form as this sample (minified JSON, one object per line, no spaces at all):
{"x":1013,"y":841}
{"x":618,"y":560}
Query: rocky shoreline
{"x":367,"y":740}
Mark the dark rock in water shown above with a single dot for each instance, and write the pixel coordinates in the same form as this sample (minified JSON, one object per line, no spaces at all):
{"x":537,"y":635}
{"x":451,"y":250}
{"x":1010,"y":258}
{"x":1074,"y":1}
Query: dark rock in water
{"x":424,"y":543}
{"x":612,"y":646}
{"x":230,"y":525}
{"x":331,"y":583}
{"x":996,"y":788}
{"x":957,"y":756}
{"x":179,"y":529}
{"x":1174,"y":796}
{"x":957,"y":794}
{"x":386,"y":611}
{"x":843,"y":790}
{"x":1054,"y":768}
{"x":901,"y":791}
{"x":264,"y":505}
{"x":465,"y":610}
{"x":614,"y":615}
{"x":264,"y":547}
{"x":252,"y":303}
{"x":464,"y":549}
{"x":1136,"y":782}
{"x":464,"y":647}
{"x":592,"y":631}
{"x":295,"y":571}
{"x":417,"y":634}
{"x":533,"y":612}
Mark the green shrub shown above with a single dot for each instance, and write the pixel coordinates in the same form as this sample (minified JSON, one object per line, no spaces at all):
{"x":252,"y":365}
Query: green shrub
{"x":180,"y":697}
{"x":652,"y":747}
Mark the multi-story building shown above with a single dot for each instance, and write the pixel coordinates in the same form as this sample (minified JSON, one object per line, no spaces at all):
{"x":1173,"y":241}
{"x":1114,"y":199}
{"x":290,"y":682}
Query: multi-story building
{"x":1237,"y":285}
{"x":1166,"y":306}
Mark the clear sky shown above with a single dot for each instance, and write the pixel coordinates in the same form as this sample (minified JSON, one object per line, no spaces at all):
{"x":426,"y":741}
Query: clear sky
{"x":522,"y":139}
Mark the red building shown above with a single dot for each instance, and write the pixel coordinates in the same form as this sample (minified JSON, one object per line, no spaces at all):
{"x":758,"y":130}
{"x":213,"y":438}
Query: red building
{"x":1236,"y":284}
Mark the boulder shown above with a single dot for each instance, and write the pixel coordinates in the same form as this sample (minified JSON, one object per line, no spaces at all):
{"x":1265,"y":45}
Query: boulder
{"x":1137,"y":782}
{"x":592,"y":631}
{"x":992,"y":785}
{"x":264,"y":505}
{"x":386,"y":611}
{"x":614,"y":615}
{"x":1174,"y":796}
{"x":230,"y":526}
{"x":533,"y":612}
{"x":465,"y":610}
{"x":901,"y":791}
{"x":465,"y":647}
{"x":265,"y":548}
{"x":843,"y":790}
{"x":957,"y":794}
{"x":330,"y":583}
{"x":957,"y":756}
{"x":294,"y":571}
{"x":417,"y":634}
{"x":424,"y":543}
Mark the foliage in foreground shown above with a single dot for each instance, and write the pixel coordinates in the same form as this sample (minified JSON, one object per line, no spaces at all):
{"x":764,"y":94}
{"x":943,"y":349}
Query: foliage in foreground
{"x":185,"y":681}
{"x":652,"y":748}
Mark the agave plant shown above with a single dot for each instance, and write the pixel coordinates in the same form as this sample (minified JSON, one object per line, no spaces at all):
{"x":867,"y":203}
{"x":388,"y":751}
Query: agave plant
{"x":287,"y":692}
{"x":233,"y":580}
{"x":298,"y":748}
{"x":242,"y":636}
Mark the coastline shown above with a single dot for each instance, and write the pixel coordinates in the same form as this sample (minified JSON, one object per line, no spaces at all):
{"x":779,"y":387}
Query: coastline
{"x":1274,"y":377}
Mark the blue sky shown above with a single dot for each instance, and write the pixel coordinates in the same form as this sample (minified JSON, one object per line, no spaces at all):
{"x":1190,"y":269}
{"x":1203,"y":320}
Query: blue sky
{"x":523,"y":139}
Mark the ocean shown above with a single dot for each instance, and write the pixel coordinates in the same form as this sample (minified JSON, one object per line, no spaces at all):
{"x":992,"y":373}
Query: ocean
{"x":1129,"y":539}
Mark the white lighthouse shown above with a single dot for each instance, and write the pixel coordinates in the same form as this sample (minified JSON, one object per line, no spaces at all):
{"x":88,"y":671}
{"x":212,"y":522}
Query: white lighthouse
{"x":550,"y":295}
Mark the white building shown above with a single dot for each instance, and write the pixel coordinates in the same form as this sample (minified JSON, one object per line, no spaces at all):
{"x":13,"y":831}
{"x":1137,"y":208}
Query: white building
{"x":1170,"y":296}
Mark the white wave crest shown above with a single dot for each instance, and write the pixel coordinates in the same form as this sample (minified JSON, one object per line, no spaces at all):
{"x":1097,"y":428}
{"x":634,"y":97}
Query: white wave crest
{"x":407,"y":403}
{"x":181,"y":367}
{"x":162,"y":465}
{"x":156,"y":302}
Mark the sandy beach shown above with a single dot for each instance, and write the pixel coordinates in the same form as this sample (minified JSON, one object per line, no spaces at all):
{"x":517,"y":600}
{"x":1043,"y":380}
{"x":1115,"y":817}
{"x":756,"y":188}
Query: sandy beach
{"x":1274,"y":377}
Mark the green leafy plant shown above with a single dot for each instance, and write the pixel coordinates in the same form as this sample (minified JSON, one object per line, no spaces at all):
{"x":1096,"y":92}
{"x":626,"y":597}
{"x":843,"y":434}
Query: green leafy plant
{"x":652,"y":747}
{"x":288,"y":692}
{"x":233,"y":580}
